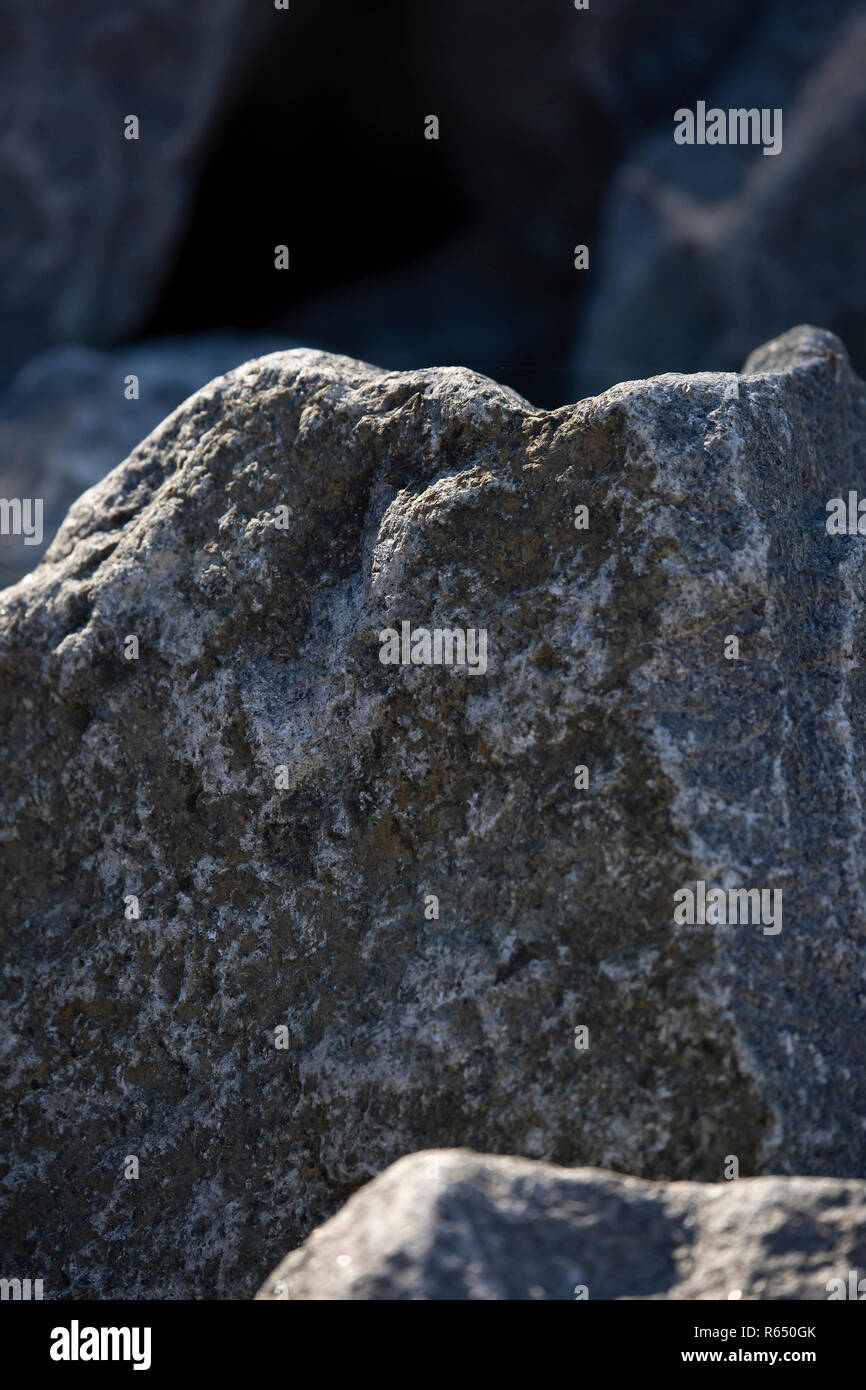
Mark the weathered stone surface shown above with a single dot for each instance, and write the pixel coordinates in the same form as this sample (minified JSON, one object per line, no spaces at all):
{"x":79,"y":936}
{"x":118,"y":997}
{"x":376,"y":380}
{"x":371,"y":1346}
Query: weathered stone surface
{"x":704,"y":252}
{"x":440,"y":499}
{"x":91,"y":218}
{"x":66,"y":421}
{"x":448,"y":1224}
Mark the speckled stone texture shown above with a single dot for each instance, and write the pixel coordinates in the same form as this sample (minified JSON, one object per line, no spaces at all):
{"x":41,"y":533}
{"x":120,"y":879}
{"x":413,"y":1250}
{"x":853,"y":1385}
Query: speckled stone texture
{"x":66,"y":419}
{"x":448,"y":1224}
{"x":438,"y":498}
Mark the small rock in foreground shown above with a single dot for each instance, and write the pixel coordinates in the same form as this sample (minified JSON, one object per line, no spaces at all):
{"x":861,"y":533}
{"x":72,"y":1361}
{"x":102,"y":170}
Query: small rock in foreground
{"x":449,"y":1224}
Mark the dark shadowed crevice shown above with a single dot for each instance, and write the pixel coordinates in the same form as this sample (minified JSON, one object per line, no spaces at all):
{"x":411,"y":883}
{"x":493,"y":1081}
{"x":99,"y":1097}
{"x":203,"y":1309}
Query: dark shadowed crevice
{"x":321,"y":151}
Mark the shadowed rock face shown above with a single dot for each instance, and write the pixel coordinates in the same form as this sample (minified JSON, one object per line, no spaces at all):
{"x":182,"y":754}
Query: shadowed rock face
{"x":298,"y":898}
{"x":92,"y":218}
{"x":702,"y":257}
{"x":454,"y":1225}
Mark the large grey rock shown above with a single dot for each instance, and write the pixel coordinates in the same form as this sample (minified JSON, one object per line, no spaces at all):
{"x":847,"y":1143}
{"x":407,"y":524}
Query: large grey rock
{"x":704,"y":252}
{"x":298,"y":899}
{"x":91,"y":218}
{"x":447,"y":1224}
{"x":69,"y":417}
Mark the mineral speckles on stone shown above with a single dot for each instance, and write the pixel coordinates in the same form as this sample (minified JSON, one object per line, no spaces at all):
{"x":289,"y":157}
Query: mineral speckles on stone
{"x":439,"y":498}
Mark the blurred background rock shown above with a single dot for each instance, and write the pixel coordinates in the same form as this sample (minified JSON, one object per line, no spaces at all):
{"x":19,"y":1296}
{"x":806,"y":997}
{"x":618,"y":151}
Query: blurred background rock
{"x":306,"y":128}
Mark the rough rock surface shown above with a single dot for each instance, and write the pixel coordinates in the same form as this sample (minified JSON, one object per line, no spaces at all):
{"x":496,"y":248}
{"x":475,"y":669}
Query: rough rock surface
{"x":299,"y":899}
{"x":447,"y":1224}
{"x":66,"y":421}
{"x":92,"y":218}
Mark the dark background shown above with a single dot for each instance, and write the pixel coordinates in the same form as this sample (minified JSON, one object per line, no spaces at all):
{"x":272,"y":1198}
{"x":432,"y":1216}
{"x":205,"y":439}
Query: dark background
{"x":410,"y":251}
